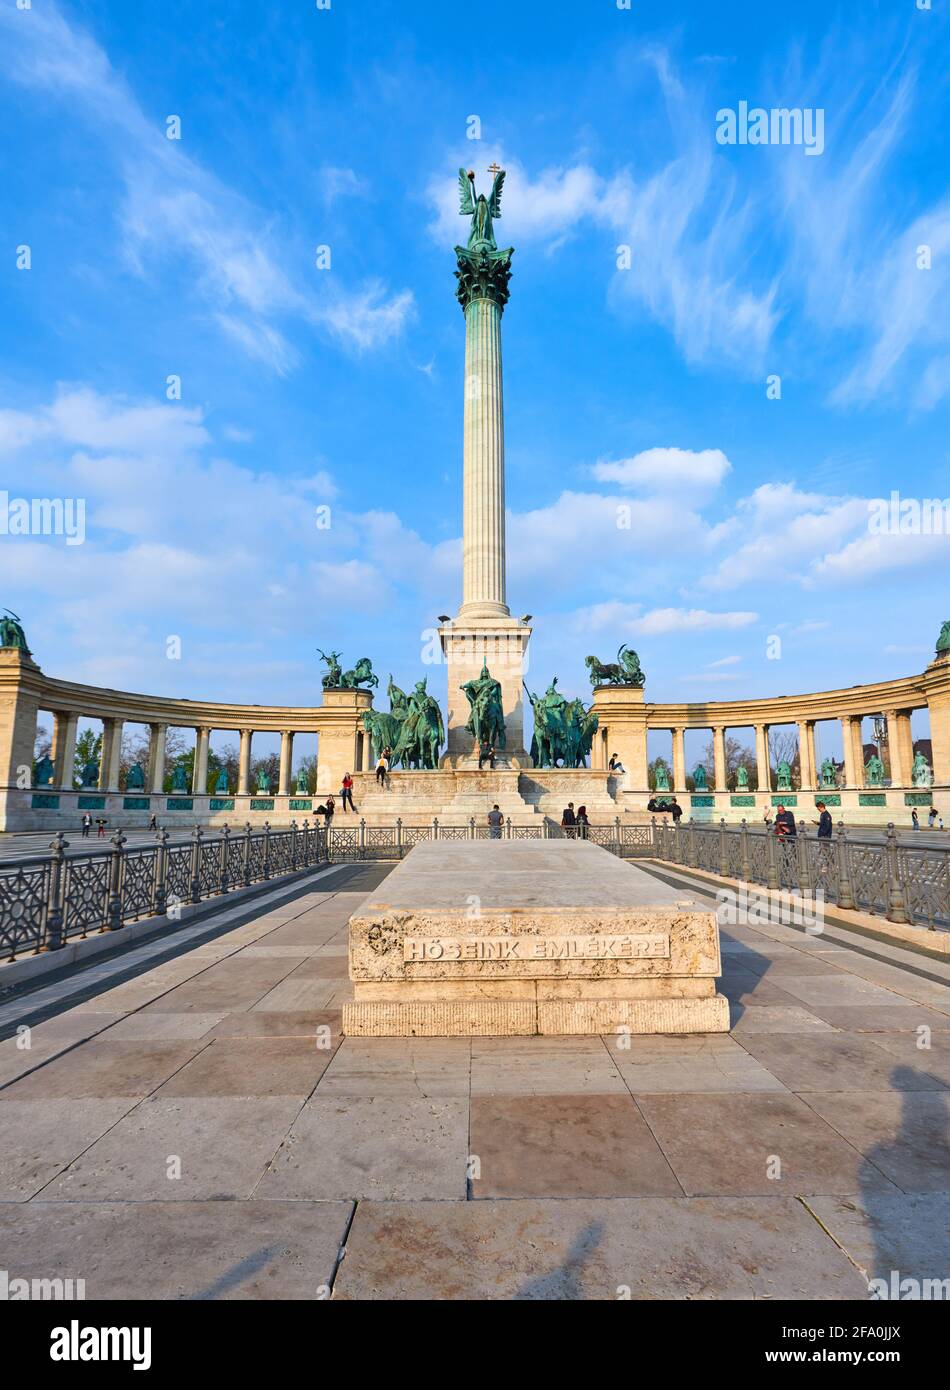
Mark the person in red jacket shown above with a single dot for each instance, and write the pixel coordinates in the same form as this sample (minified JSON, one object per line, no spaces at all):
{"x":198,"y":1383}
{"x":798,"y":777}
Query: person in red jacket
{"x":346,"y":792}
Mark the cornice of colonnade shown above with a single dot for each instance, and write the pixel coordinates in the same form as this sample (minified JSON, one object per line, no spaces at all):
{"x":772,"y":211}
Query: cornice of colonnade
{"x":880,"y":697}
{"x":99,"y":702}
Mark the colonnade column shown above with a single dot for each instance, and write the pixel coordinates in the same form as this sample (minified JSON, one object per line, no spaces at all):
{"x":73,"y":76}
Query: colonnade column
{"x":64,"y":748}
{"x":762,"y":761}
{"x":719,"y":758}
{"x":156,"y":757}
{"x":679,"y":760}
{"x":847,"y":743}
{"x":244,"y":763}
{"x":286,"y":761}
{"x":856,"y":723}
{"x":199,"y":782}
{"x":900,"y":741}
{"x":111,"y":755}
{"x":812,"y":752}
{"x":806,"y":754}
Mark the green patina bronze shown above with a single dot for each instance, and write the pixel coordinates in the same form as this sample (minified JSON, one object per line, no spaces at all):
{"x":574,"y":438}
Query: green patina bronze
{"x":742,"y":777}
{"x":486,"y":720}
{"x":43,"y":775}
{"x":11,"y":632}
{"x":483,"y":270}
{"x":221,"y":783}
{"x":700,"y":780}
{"x":943,"y":641}
{"x":783,"y":777}
{"x":335,"y":678}
{"x":624,"y":671}
{"x":180,"y":778}
{"x":412,"y":730}
{"x":921,"y":773}
{"x":874,"y":772}
{"x":662,"y":775}
{"x":301,"y":788}
{"x":563,"y":729}
{"x":829,"y":774}
{"x":135,"y":778}
{"x":90,"y":774}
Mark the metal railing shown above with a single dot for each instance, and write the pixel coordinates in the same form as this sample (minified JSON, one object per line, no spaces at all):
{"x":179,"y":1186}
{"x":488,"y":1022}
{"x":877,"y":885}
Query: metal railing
{"x":905,"y":883}
{"x":46,"y":902}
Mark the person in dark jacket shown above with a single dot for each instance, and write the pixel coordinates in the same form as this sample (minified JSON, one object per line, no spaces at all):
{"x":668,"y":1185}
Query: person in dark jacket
{"x":676,"y":811}
{"x":824,"y":821}
{"x":785,"y":822}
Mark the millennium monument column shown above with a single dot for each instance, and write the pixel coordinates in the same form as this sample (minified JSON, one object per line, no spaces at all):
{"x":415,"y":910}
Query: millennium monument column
{"x":483,"y":633}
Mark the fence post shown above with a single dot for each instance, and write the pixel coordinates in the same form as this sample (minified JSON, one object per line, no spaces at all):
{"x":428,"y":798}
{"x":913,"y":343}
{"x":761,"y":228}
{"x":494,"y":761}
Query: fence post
{"x":745,"y":868}
{"x":225,"y":841}
{"x":160,"y":881}
{"x":653,"y":837}
{"x":845,"y":886}
{"x":508,"y":828}
{"x":691,"y":845}
{"x":896,"y":906}
{"x":54,"y":907}
{"x":435,"y":827}
{"x":618,"y":838}
{"x":804,"y":872}
{"x":723,"y":852}
{"x":362,"y":838}
{"x":771,"y":868}
{"x":266,"y":873}
{"x":399,"y":837}
{"x":545,"y":830}
{"x":471,"y":827}
{"x":196,"y":839}
{"x":114,"y":920}
{"x":246,"y":854}
{"x":293,"y":844}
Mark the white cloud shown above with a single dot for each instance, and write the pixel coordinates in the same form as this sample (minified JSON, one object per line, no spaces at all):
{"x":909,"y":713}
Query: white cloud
{"x":667,"y":470}
{"x":628,"y":619}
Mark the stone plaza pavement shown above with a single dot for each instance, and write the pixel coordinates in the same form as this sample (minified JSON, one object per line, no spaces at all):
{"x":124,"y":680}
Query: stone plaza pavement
{"x":188,"y":1123}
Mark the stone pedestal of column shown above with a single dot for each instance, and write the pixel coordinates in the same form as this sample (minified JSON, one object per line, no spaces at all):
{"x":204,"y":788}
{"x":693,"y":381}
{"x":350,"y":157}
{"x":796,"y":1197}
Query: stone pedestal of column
{"x":500,"y":643}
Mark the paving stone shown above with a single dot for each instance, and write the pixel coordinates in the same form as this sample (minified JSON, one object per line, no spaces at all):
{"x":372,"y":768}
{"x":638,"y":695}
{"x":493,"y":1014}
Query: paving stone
{"x":38,"y":1138}
{"x":905,"y":1232}
{"x":565,"y":1146}
{"x":545,"y":1067}
{"x":655,"y":1248}
{"x":102,"y":1068}
{"x":149,"y":1025}
{"x":774,"y":1018}
{"x":252,"y":1067}
{"x":904,"y":1135}
{"x":286,"y":1023}
{"x":716,"y":1063}
{"x":882,"y":1018}
{"x":832,"y":1061}
{"x":728,"y":1144}
{"x":390,"y":1067}
{"x":390,"y":1148}
{"x":223,"y":1144}
{"x":837,"y":989}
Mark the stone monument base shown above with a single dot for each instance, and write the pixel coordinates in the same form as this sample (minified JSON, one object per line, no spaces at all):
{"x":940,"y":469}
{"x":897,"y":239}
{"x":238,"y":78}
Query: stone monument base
{"x":489,"y":938}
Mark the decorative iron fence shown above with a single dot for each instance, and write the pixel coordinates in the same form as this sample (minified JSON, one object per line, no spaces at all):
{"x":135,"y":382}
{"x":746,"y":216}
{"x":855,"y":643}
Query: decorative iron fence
{"x":46,"y":902}
{"x":902,"y":882}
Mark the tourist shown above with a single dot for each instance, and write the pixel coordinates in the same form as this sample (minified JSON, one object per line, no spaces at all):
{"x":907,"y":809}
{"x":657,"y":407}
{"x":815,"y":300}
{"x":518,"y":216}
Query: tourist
{"x":382,"y":767}
{"x":676,"y":811}
{"x":152,"y":822}
{"x":615,"y":765}
{"x":651,"y":804}
{"x":495,"y":821}
{"x":824,"y":821}
{"x":346,"y":792}
{"x":486,"y":754}
{"x":915,"y":819}
{"x":767,"y":818}
{"x":102,"y":829}
{"x":582,"y":822}
{"x":328,"y":810}
{"x":569,"y":820}
{"x":785,"y":823}
{"x":931,"y":817}
{"x":86,"y":825}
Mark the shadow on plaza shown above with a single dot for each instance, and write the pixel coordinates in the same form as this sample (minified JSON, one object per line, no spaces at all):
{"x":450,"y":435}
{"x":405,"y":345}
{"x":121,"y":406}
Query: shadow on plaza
{"x":356,"y":878}
{"x":563,"y":1284}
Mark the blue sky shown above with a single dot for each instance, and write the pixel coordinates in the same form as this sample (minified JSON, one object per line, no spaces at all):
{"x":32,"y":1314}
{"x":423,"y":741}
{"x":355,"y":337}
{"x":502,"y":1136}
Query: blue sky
{"x":642,"y":387}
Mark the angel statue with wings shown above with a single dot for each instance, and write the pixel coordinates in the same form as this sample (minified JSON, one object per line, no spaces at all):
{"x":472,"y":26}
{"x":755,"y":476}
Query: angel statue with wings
{"x":483,"y":269}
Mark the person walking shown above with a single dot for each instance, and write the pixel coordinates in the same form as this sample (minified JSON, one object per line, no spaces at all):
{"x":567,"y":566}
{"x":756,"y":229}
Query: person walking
{"x":824,"y":821}
{"x":915,"y":819}
{"x":582,"y":822}
{"x":346,"y":792}
{"x":86,"y":825}
{"x":152,"y":822}
{"x":495,"y":821}
{"x":569,"y":820}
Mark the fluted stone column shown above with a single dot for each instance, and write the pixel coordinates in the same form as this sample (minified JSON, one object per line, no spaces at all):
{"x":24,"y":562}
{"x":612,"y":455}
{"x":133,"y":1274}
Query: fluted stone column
{"x":483,"y":524}
{"x":156,"y":757}
{"x":679,"y":760}
{"x":286,"y":758}
{"x":902,"y":748}
{"x":64,"y":748}
{"x":847,"y":744}
{"x":111,"y":755}
{"x":199,"y":782}
{"x":763,"y":764}
{"x":244,"y":763}
{"x":719,"y":758}
{"x":806,"y":754}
